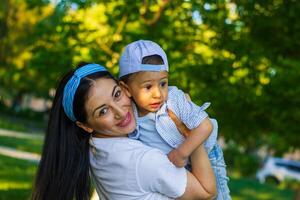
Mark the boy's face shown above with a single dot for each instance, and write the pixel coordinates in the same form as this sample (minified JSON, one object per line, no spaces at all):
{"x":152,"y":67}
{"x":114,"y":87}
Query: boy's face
{"x":148,"y":89}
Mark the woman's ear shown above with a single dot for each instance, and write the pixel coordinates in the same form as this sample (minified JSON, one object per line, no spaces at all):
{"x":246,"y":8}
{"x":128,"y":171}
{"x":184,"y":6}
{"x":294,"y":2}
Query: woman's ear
{"x":84,"y":127}
{"x":125,"y":88}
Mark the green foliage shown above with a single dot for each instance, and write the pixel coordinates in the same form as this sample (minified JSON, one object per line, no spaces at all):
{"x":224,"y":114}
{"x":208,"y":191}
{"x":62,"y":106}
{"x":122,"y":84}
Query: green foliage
{"x":243,"y":56}
{"x":245,"y":163}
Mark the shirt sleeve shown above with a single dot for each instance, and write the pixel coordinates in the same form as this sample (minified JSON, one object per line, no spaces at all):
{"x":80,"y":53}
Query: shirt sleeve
{"x":188,"y":112}
{"x":157,"y":174}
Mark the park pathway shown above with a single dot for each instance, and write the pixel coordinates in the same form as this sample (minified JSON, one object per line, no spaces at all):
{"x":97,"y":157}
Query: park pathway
{"x":6,"y":151}
{"x":16,"y":134}
{"x":11,"y":152}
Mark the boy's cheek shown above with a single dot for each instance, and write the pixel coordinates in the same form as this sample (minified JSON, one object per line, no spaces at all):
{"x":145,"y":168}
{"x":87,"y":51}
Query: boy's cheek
{"x":166,"y":96}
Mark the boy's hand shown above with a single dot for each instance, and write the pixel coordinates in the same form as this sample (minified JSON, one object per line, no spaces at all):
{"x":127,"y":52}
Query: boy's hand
{"x":180,"y":126}
{"x":177,"y":158}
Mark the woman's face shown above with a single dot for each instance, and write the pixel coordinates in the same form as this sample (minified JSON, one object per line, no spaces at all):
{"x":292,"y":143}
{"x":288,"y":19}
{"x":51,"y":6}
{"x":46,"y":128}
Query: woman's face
{"x":109,"y":110}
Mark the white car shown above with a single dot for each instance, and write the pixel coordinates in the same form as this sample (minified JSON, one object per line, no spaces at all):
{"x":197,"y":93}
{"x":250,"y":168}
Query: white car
{"x":278,"y":169}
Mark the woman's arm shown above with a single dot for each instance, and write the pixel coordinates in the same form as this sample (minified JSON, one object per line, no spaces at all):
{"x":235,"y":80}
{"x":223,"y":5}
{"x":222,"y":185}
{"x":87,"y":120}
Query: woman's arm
{"x":201,"y":184}
{"x":155,"y":173}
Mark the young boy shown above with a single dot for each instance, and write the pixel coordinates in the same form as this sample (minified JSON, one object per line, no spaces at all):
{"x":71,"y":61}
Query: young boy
{"x":144,"y":76}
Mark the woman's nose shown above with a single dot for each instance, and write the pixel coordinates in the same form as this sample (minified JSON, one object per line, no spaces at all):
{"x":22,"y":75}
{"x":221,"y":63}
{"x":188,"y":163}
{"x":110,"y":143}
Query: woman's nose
{"x":119,"y":112}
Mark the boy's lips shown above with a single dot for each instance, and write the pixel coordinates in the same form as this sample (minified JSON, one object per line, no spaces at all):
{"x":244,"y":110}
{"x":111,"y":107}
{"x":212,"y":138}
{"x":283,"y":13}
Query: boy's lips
{"x":126,"y":121}
{"x":155,"y":105}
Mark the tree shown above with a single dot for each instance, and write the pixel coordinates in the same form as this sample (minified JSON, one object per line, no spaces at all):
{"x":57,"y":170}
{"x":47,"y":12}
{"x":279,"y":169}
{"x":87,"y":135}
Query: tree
{"x":236,"y":54}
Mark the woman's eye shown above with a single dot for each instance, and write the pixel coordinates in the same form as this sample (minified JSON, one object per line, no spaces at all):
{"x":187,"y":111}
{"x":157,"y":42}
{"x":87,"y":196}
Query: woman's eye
{"x":148,"y":87}
{"x":103,"y":111}
{"x":118,"y":94}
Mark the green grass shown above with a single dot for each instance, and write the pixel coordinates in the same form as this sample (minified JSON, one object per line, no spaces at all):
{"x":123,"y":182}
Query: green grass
{"x":16,"y":178}
{"x":24,"y":144}
{"x":10,"y":125}
{"x":247,"y":189}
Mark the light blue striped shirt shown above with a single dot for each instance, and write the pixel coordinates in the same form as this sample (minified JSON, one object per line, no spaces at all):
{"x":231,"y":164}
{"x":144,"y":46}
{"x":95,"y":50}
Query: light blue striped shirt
{"x":159,"y":131}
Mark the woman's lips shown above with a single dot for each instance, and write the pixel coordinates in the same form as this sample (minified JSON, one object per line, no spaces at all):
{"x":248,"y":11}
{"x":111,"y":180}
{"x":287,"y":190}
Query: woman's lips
{"x":125,"y":121}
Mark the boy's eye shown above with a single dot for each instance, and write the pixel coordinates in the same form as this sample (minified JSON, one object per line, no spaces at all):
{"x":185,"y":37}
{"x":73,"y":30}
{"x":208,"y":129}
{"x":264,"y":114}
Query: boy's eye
{"x":103,"y":111}
{"x":163,"y":84}
{"x":148,"y":87}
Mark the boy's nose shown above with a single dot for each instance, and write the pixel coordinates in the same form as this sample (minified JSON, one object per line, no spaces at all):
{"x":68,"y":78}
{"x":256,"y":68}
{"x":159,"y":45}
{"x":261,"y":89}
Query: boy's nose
{"x":157,"y":93}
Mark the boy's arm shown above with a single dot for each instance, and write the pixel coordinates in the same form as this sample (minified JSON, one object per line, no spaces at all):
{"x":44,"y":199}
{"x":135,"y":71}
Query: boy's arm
{"x":188,"y":116}
{"x":201,"y":184}
{"x":196,"y":137}
{"x":188,"y":112}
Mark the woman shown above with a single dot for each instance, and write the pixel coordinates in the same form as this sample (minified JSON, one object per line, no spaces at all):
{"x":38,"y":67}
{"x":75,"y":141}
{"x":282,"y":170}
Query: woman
{"x":89,"y":102}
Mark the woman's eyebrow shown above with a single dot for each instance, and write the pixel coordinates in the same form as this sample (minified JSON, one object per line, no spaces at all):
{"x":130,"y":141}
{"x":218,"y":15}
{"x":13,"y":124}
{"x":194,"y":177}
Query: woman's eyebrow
{"x":112,"y":94}
{"x":97,"y":109}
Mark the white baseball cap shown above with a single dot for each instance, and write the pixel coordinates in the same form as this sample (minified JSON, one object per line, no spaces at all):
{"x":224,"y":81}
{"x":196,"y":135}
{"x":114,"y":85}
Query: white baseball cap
{"x":133,"y":54}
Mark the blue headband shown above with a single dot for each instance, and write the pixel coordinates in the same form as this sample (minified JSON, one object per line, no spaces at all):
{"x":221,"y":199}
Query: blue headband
{"x":72,"y":85}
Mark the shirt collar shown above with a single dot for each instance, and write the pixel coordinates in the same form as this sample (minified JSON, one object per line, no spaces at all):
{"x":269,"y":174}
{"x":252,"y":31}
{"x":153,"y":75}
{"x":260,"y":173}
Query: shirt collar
{"x":136,"y":133}
{"x":162,"y":110}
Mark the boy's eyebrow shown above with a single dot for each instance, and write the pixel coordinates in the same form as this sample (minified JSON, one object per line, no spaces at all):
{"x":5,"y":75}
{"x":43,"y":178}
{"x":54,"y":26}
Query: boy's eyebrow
{"x":112,"y":94}
{"x":165,"y":77}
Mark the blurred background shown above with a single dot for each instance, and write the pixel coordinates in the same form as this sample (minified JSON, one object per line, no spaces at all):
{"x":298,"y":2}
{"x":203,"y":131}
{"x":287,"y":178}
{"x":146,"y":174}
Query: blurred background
{"x":242,"y":56}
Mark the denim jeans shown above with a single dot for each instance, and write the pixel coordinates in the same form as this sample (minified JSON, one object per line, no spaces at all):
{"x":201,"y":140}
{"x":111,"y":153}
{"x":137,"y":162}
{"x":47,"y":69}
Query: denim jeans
{"x":217,"y":161}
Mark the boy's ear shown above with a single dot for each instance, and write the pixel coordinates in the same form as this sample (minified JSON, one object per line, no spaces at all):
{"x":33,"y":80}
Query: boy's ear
{"x":84,"y":127}
{"x":125,"y":88}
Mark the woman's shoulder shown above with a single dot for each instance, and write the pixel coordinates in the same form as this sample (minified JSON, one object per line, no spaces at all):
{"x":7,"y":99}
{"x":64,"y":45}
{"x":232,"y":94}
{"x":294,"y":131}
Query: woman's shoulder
{"x":119,"y":150}
{"x":118,"y":144}
{"x":126,"y":150}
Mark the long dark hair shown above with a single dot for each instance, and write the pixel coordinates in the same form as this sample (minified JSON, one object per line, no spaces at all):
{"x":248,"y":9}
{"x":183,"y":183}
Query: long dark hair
{"x":63,"y":172}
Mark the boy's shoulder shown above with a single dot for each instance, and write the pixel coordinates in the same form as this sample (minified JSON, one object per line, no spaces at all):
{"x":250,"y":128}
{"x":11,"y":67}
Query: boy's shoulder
{"x":173,"y":90}
{"x":175,"y":95}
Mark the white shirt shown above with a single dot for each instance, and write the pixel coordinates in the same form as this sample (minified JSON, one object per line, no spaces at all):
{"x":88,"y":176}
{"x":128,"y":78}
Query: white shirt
{"x":189,"y":113}
{"x":123,"y":168}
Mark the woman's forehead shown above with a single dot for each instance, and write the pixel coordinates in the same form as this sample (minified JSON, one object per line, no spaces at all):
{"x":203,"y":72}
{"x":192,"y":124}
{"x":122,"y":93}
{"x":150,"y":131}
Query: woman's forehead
{"x":101,"y":90}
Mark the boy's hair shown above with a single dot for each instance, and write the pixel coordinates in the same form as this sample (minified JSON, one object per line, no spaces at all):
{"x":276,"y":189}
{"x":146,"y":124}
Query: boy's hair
{"x":153,"y":60}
